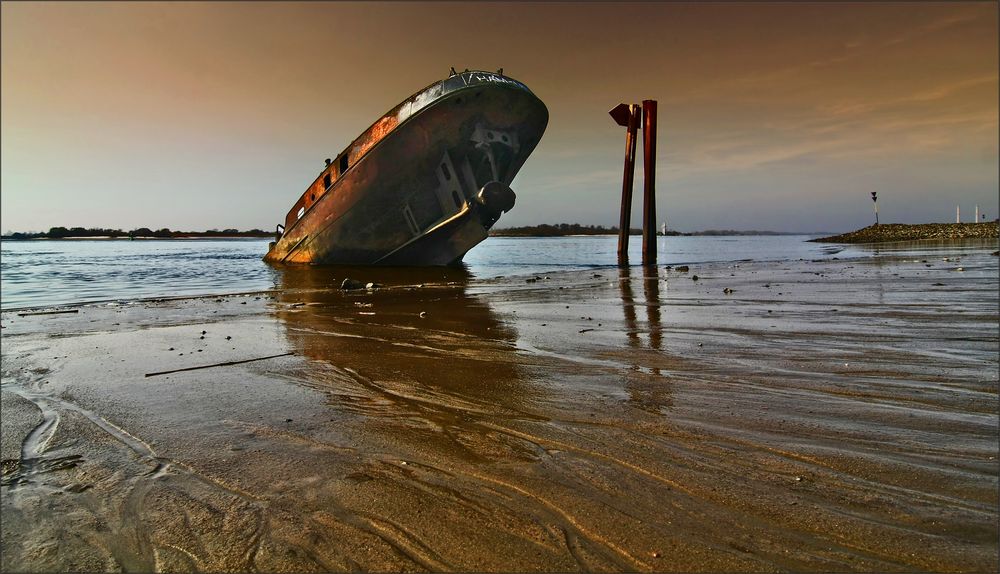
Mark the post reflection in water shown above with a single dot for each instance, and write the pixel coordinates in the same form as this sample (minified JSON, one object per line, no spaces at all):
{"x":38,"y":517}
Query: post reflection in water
{"x":651,"y":301}
{"x":651,"y":290}
{"x":418,"y":361}
{"x":628,"y":306}
{"x":649,"y":393}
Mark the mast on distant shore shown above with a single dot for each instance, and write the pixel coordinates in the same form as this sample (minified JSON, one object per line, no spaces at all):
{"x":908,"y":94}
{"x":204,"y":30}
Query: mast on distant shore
{"x":958,"y":214}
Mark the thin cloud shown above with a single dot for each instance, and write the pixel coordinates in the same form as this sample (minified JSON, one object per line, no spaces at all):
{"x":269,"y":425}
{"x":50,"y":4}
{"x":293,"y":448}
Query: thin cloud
{"x":931,"y":27}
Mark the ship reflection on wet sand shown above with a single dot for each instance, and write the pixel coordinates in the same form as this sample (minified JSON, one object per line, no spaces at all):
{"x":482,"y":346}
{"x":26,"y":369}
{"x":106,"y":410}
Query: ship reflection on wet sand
{"x":426,"y":354}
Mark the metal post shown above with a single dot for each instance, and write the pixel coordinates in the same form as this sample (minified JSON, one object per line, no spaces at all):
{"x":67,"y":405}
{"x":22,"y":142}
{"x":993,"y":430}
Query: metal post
{"x":627,"y":116}
{"x":649,"y":182}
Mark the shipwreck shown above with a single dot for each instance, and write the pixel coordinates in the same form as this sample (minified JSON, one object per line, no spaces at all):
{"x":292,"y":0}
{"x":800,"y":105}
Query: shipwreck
{"x":424,"y":184}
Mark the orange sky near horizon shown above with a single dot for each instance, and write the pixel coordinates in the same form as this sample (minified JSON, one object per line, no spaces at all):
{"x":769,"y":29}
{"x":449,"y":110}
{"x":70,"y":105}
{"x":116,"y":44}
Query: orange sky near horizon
{"x":772,"y":116}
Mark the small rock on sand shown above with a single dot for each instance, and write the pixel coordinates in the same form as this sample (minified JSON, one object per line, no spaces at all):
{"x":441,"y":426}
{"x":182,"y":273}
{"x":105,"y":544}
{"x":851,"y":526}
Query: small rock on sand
{"x":351,"y":284}
{"x":681,"y":268}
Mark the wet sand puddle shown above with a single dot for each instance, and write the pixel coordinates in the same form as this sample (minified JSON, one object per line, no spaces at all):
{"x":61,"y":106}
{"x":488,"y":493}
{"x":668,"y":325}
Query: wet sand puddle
{"x":820,"y":415}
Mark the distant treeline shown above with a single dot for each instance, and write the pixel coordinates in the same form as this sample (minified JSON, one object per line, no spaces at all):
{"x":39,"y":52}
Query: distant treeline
{"x":553,"y":230}
{"x":75,"y":232}
{"x":736,"y":232}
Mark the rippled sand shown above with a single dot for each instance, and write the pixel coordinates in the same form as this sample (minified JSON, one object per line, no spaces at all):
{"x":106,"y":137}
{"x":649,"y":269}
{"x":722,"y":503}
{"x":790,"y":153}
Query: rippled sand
{"x":833,"y":415}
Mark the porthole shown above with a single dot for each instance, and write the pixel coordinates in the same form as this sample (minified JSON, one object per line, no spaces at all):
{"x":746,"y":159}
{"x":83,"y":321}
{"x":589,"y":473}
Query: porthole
{"x":312,"y":197}
{"x":489,"y":135}
{"x":446,"y":172}
{"x":504,"y":138}
{"x":457,"y":198}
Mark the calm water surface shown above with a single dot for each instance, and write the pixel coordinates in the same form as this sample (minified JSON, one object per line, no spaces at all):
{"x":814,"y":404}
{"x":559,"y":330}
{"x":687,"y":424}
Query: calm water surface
{"x":43,"y":273}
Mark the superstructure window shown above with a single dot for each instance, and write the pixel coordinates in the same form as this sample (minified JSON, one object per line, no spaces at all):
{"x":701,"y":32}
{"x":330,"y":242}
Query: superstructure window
{"x":326,"y":181}
{"x":343,"y":163}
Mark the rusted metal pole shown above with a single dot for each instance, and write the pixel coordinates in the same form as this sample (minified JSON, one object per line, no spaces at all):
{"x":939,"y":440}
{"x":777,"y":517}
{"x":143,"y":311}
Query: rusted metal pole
{"x":625,"y":221}
{"x":649,"y":182}
{"x":629,"y":117}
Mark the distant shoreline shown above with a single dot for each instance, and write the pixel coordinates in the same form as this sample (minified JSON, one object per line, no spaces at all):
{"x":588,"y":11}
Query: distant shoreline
{"x":76,"y":233}
{"x":498,"y":233}
{"x":880,"y":233}
{"x":888,"y":232}
{"x":543,"y":230}
{"x":575,"y":229}
{"x":126,"y":238}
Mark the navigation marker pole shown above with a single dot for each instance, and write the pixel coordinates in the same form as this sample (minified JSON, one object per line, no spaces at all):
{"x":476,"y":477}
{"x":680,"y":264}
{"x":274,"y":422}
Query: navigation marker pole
{"x":649,"y":182}
{"x":631,"y":116}
{"x":875,"y":200}
{"x":628,"y":117}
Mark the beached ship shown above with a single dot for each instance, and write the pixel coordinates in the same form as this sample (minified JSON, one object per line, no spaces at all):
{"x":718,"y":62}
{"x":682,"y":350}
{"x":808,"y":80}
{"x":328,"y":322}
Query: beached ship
{"x":424,"y":184}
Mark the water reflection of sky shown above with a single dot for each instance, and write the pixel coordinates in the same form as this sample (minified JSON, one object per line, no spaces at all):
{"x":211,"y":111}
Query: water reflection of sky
{"x":517,"y":255}
{"x":42,"y":273}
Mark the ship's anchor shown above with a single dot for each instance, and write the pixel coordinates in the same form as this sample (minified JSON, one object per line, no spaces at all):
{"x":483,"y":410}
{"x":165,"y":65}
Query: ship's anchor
{"x":496,"y":198}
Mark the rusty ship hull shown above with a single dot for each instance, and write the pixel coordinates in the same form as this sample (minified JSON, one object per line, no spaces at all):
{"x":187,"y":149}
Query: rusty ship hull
{"x":424,"y":184}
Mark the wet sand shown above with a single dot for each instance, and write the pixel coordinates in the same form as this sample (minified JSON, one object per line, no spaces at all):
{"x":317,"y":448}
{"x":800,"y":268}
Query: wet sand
{"x":829,"y":415}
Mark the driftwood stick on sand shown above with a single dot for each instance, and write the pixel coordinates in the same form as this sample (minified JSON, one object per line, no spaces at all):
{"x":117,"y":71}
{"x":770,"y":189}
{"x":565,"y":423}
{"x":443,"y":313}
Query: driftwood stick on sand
{"x":48,"y":312}
{"x":226,"y":364}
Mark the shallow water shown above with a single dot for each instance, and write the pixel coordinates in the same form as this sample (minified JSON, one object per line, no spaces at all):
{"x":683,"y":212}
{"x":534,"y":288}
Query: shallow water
{"x":45,"y":273}
{"x":42,"y":273}
{"x":823,"y":415}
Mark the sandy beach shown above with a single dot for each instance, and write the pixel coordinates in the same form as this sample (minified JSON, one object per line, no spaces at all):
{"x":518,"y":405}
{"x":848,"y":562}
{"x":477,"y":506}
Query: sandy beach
{"x":825,"y":415}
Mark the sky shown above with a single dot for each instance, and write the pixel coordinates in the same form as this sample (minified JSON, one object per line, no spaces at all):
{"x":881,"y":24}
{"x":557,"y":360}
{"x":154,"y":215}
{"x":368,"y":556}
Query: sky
{"x":779,"y":116}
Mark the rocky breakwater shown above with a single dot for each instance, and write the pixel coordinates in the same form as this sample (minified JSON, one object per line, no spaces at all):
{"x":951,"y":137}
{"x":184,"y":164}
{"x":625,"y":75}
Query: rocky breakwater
{"x":907,"y":232}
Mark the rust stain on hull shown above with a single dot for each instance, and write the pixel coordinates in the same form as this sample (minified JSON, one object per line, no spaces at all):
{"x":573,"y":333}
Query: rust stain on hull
{"x":424,"y":183}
